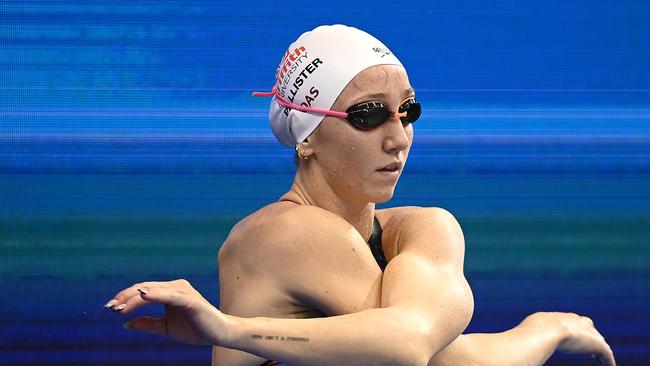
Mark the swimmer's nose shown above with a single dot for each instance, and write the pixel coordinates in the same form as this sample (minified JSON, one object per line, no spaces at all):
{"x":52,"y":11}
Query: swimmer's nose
{"x":396,"y":137}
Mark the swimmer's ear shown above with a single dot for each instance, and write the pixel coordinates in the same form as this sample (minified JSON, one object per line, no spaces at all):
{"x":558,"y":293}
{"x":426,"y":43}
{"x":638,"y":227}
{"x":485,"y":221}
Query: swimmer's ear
{"x":305,"y":149}
{"x":300,"y":153}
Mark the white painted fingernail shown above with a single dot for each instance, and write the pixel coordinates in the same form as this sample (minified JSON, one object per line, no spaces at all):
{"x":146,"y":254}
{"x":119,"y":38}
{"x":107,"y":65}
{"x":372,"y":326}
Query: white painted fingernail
{"x":110,"y":304}
{"x":121,"y":307}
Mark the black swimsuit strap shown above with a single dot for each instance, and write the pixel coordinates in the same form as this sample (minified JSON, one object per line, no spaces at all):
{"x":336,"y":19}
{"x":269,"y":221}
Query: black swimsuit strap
{"x":375,"y":245}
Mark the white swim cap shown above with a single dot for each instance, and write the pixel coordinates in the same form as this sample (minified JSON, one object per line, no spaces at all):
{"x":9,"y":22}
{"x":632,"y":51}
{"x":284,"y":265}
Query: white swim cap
{"x":314,"y":71}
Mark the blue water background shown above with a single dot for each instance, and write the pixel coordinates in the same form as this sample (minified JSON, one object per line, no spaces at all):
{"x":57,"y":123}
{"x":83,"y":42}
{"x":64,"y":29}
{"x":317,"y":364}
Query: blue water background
{"x":129,"y":144}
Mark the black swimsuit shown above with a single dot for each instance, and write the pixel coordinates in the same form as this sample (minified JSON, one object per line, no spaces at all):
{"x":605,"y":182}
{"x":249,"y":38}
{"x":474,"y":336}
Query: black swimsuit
{"x":377,"y":252}
{"x":375,"y":245}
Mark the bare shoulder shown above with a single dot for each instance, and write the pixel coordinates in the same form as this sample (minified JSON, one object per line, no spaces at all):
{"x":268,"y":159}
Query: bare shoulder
{"x":283,"y":228}
{"x":307,"y":253}
{"x":397,"y":214}
{"x":434,"y":229}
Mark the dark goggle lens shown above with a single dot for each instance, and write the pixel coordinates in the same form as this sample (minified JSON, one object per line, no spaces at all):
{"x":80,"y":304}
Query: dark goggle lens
{"x":413,"y":111}
{"x":369,"y":115}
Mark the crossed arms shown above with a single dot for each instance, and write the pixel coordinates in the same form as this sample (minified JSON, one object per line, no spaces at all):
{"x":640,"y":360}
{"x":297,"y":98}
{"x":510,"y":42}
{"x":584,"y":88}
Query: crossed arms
{"x":425,"y":301}
{"x":417,"y":318}
{"x":425,"y":304}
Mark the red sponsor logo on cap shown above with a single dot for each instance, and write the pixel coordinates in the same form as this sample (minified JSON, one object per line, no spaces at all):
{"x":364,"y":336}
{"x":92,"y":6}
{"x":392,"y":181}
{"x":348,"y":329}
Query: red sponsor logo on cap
{"x":288,"y":59}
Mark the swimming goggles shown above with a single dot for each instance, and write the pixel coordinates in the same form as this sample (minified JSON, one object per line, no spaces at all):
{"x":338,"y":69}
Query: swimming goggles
{"x":364,"y":115}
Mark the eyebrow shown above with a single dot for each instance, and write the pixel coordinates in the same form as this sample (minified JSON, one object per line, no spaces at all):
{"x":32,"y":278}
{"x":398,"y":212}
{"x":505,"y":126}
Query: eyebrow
{"x":377,"y":96}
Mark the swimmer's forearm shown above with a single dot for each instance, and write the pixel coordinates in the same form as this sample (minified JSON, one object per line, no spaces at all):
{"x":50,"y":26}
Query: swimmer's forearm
{"x":524,"y":345}
{"x":368,"y":337}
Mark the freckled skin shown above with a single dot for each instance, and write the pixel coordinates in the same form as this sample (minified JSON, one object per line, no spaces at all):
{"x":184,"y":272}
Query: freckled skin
{"x":347,"y":157}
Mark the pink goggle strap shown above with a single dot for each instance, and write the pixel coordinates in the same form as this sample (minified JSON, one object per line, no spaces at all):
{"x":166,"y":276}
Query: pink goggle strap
{"x":299,"y":107}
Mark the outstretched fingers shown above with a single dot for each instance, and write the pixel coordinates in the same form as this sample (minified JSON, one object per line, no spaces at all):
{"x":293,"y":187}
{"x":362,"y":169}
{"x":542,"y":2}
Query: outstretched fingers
{"x":602,"y":350}
{"x":127,"y":298}
{"x":139,"y":294}
{"x":174,"y":295}
{"x":607,"y":358}
{"x":583,"y":337}
{"x":606,"y":355}
{"x":131,"y":298}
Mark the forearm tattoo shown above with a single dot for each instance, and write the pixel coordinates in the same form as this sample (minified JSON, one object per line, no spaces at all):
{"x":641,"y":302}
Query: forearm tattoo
{"x":280,"y":338}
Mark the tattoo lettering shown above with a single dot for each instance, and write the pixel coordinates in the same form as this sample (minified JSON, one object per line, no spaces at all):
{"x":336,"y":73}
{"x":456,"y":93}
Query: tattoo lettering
{"x":280,"y":338}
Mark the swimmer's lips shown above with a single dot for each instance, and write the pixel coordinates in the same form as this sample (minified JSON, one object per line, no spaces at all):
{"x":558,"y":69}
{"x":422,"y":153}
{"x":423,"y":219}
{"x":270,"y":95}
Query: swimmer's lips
{"x":392,"y":170}
{"x":392,"y":167}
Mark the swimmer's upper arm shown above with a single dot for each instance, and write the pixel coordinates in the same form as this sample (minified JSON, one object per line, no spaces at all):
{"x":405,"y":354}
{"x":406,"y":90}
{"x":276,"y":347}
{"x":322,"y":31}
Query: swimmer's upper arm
{"x":239,"y":295}
{"x":242,"y":304}
{"x":325,"y":263}
{"x":311,"y":256}
{"x":426,"y":277}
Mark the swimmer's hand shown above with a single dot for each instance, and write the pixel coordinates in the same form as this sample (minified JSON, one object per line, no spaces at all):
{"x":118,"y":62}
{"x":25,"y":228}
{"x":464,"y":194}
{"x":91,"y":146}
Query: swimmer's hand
{"x":189,"y":317}
{"x":577,"y":334}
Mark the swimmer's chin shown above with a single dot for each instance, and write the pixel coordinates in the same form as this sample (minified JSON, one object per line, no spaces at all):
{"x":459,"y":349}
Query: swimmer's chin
{"x":384,"y":196}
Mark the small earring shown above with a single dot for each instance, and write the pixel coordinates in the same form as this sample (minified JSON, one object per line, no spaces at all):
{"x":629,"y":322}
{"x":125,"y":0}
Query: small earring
{"x":300,"y":155}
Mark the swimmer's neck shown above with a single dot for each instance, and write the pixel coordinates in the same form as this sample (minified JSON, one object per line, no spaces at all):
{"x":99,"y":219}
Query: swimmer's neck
{"x":358,"y":214}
